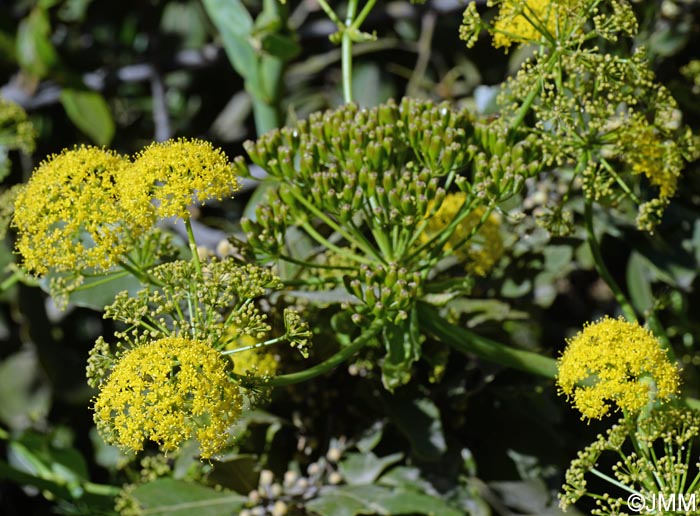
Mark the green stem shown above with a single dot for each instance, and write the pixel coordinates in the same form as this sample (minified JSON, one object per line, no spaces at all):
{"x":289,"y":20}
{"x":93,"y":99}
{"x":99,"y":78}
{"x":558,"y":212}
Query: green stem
{"x":614,"y":481}
{"x":337,"y":359}
{"x":193,"y":247}
{"x":330,"y":12}
{"x":7,"y":283}
{"x":468,"y":342}
{"x":363,"y":14}
{"x":254,"y":346}
{"x":607,"y":166}
{"x":602,"y":269}
{"x":346,"y":51}
{"x":140,"y":274}
{"x":525,"y":107}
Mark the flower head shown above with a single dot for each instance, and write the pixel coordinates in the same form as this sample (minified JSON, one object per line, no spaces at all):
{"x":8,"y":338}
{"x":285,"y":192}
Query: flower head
{"x":72,"y":216}
{"x":178,"y":172}
{"x":479,"y":251}
{"x":524,"y":20}
{"x":168,"y":391}
{"x":613,"y":358}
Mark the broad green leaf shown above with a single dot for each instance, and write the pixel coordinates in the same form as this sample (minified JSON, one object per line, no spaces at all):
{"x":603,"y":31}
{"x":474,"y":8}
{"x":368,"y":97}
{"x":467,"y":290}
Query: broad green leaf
{"x":369,"y":87}
{"x":281,"y":46}
{"x":35,"y":52}
{"x":528,"y":496}
{"x":639,"y":282}
{"x":89,"y":111}
{"x":365,"y":468}
{"x":370,"y":499}
{"x":407,"y":478}
{"x":419,"y":420}
{"x":40,"y":455}
{"x":403,"y":345}
{"x":25,"y":395}
{"x":240,"y":473}
{"x":171,"y":497}
{"x":234,"y":23}
{"x":370,"y":438}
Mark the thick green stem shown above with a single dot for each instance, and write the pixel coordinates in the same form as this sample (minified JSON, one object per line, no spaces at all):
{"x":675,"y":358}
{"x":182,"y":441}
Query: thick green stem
{"x":346,"y":51}
{"x":325,"y":366}
{"x":468,"y":342}
{"x":602,"y":269}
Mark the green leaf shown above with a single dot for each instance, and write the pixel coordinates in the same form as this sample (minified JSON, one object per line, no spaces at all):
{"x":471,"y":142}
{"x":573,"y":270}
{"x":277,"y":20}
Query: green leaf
{"x":25,"y":395}
{"x":419,"y":420}
{"x":35,"y":52}
{"x":371,"y":499}
{"x":281,"y":46}
{"x":234,"y":23}
{"x":403,"y":345}
{"x":369,"y":85}
{"x":89,"y":111}
{"x":179,"y":498}
{"x":40,"y":455}
{"x":370,"y":437}
{"x":639,"y":282}
{"x":365,"y":468}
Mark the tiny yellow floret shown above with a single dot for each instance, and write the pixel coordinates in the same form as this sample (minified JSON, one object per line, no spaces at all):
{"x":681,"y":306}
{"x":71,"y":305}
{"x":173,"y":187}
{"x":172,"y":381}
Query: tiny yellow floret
{"x":479,"y":251}
{"x":168,"y":391}
{"x":71,"y":216}
{"x":177,"y":173}
{"x":613,"y":361}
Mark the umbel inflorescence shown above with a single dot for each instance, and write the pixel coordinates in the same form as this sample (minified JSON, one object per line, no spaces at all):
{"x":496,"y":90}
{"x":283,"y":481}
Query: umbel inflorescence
{"x":389,"y":197}
{"x":87,"y":210}
{"x":171,"y":373}
{"x":615,"y":362}
{"x":603,"y":123}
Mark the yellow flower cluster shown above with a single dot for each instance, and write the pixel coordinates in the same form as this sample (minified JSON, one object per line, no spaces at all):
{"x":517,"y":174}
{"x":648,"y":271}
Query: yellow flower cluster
{"x":70,"y":215}
{"x":520,"y":21}
{"x":177,"y":172}
{"x":480,"y":252}
{"x":168,"y":391}
{"x":614,"y":361}
{"x":648,"y":154}
{"x":86,"y":207}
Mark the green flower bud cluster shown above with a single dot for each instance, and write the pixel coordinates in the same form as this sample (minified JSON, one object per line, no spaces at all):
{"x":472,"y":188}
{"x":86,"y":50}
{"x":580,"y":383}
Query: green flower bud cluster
{"x":601,"y":114}
{"x":503,"y":159}
{"x":654,"y":457}
{"x":365,"y":185}
{"x":386,"y":292}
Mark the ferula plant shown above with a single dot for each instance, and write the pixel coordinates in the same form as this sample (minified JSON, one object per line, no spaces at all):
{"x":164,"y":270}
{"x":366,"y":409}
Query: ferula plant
{"x":370,"y":226}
